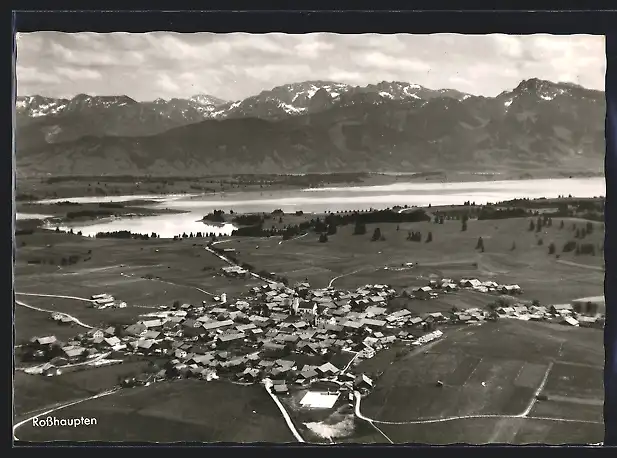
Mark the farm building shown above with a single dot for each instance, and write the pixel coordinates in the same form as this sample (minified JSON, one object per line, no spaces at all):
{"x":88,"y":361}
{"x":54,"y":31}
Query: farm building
{"x":561,"y":308}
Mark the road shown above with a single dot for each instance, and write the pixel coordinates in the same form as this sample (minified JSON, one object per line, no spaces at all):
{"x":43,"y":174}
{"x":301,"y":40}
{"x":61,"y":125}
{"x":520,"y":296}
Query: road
{"x":290,"y":425}
{"x":169,"y":283}
{"x":38,"y":309}
{"x":55,"y":295}
{"x":60,"y":407}
{"x":345,"y":275}
{"x":230,"y":262}
{"x":295,"y":238}
{"x":462,"y":417}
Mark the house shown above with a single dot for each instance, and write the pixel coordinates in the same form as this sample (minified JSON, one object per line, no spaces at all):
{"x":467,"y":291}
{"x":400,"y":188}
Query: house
{"x":73,"y":352}
{"x":570,"y":321}
{"x":280,"y":389}
{"x":561,"y":308}
{"x":470,"y":283}
{"x":510,"y":289}
{"x":305,"y":307}
{"x":136,"y":329}
{"x":327,"y":369}
{"x":373,"y":323}
{"x":112,"y":341}
{"x":151,"y":335}
{"x":146,"y":345}
{"x":363,"y":382}
{"x":423,"y":292}
{"x":44,"y":341}
{"x":190,"y":323}
{"x":587,"y":321}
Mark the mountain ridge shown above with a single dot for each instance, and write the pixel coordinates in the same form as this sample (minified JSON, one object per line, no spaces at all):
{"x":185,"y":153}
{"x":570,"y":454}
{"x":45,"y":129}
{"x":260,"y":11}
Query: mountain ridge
{"x":337,"y":127}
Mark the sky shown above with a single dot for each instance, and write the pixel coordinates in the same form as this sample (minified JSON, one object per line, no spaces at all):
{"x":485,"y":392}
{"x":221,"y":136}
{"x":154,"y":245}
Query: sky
{"x":234,"y":66}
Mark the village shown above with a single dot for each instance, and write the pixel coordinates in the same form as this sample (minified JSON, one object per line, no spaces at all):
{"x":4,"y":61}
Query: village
{"x":287,"y":337}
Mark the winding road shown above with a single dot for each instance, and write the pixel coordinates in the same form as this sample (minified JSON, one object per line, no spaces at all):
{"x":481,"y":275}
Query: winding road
{"x":60,"y":407}
{"x":38,"y":309}
{"x":345,"y":275}
{"x":524,"y":414}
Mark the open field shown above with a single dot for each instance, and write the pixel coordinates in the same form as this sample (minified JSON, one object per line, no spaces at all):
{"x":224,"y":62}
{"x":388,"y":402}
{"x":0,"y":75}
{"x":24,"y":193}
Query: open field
{"x":182,"y":271}
{"x":517,"y":431}
{"x":452,"y":253}
{"x":495,"y":370}
{"x":34,"y":392}
{"x":172,"y":412}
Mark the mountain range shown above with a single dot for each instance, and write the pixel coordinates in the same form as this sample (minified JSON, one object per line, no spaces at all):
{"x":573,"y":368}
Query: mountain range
{"x":314,"y":126}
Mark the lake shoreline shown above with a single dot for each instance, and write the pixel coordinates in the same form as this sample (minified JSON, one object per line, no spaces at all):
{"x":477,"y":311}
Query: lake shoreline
{"x":174,"y":216}
{"x":32,"y":190}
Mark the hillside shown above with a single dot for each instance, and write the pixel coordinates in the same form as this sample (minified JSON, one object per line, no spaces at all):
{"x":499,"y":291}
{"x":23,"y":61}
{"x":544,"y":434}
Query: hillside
{"x":332,"y":127}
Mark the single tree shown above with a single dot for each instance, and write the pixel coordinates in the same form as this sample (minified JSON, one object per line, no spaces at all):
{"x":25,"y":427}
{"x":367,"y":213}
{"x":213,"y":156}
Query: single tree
{"x":540,"y":242}
{"x":531,"y":225}
{"x":551,"y":248}
{"x":429,"y":237}
{"x":589,"y":227}
{"x":359,"y":228}
{"x":480,"y":244}
{"x":561,"y":225}
{"x":376,"y":235}
{"x":464,"y":226}
{"x":513,"y":246}
{"x":323,"y":237}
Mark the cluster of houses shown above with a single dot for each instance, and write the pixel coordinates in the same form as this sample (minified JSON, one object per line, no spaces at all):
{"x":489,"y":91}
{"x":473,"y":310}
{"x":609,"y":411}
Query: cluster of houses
{"x":287,"y":335}
{"x":445,"y":285}
{"x":103,"y":301}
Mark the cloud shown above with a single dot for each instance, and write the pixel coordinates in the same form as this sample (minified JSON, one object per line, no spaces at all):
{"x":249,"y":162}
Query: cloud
{"x":234,"y":66}
{"x":79,"y":73}
{"x":32,"y":76}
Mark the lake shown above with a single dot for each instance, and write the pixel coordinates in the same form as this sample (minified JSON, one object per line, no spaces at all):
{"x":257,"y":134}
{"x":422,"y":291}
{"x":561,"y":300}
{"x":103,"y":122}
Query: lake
{"x":321,"y":200}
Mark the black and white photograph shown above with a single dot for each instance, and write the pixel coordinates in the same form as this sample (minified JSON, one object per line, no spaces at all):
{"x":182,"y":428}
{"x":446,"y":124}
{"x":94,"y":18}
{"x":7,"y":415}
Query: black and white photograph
{"x":311,"y":238}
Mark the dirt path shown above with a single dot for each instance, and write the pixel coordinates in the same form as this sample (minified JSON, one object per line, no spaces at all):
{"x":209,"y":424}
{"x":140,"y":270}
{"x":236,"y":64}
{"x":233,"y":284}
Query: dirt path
{"x":346,"y":275}
{"x":38,"y":309}
{"x":290,"y":425}
{"x":169,"y":283}
{"x":76,"y":298}
{"x":582,"y":266}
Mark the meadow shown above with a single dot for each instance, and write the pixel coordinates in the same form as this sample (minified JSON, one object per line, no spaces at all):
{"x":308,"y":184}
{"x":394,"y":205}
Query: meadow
{"x":186,"y":410}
